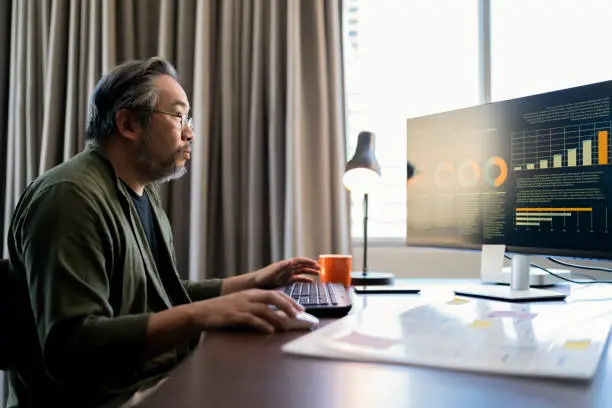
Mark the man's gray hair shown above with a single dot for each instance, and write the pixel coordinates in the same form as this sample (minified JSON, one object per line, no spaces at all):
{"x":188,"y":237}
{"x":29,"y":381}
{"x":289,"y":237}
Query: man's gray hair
{"x":127,"y":86}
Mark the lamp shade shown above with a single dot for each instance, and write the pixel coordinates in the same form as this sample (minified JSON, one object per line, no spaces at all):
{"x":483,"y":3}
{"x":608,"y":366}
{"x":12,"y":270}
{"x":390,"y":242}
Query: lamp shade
{"x":362,"y":172}
{"x":410,"y":171}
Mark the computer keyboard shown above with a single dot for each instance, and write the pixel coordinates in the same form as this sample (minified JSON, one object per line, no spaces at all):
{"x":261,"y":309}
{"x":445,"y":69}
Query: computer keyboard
{"x":321,"y":299}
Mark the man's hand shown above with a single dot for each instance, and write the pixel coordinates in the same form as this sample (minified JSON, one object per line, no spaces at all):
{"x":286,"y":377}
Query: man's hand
{"x":273,"y":276}
{"x":287,"y":271}
{"x":253,"y":308}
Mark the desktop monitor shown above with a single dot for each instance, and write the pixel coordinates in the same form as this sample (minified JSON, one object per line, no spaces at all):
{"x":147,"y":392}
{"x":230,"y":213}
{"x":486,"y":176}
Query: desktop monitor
{"x":530,"y":173}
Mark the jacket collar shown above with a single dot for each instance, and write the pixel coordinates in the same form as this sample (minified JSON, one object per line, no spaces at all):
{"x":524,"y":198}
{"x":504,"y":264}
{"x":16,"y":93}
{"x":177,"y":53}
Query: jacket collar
{"x":136,"y":225}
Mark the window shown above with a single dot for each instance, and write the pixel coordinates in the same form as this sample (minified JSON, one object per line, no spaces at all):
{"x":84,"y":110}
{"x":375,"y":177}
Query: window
{"x":544,"y":45}
{"x":403,"y":59}
{"x":407,"y":58}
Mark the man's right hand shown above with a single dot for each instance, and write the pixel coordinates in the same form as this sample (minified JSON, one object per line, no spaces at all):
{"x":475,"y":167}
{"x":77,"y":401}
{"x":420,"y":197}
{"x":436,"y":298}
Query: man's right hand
{"x":253,"y":308}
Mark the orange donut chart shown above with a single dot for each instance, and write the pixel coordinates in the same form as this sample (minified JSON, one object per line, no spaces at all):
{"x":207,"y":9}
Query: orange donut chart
{"x":503,"y":171}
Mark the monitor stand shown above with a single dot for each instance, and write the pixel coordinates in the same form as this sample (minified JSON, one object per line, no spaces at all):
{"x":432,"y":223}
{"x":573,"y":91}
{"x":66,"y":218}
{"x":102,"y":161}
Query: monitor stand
{"x":518,"y":291}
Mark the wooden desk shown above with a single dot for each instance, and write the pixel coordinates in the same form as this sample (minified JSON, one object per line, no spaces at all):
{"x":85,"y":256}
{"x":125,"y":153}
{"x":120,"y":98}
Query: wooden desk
{"x":249,"y":369}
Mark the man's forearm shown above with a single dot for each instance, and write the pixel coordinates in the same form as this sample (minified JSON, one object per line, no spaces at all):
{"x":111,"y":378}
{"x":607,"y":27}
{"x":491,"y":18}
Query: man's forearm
{"x":171,"y":327}
{"x":238,"y":283}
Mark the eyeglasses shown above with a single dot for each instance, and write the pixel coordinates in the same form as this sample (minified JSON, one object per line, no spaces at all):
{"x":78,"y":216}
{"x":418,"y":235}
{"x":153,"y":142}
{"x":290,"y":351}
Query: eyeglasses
{"x":186,"y":121}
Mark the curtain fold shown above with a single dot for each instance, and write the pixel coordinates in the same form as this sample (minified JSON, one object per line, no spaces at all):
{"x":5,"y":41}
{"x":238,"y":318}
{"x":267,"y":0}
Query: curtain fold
{"x":275,"y":130}
{"x":6,"y":55}
{"x":265,"y":82}
{"x":202,"y":158}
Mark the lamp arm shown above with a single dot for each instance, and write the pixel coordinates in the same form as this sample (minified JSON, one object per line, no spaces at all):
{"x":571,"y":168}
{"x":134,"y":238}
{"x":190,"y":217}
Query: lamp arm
{"x":365,"y":235}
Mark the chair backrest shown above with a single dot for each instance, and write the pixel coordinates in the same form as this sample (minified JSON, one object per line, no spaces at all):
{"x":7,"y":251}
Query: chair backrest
{"x":19,"y":345}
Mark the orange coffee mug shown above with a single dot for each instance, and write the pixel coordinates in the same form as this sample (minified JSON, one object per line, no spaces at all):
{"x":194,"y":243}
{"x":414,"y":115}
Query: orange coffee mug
{"x":336,"y":268}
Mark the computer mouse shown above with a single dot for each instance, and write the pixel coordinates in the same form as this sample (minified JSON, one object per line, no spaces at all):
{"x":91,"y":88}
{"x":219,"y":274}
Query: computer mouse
{"x":302,"y":321}
{"x":305,"y":320}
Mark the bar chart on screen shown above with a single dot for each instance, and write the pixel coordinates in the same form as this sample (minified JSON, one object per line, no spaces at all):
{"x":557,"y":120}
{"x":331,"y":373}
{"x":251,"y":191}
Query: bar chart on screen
{"x":586,"y":144}
{"x":563,"y":218}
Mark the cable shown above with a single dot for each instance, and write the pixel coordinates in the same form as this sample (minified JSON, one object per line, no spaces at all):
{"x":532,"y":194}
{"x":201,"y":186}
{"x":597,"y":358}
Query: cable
{"x":562,"y":278}
{"x":571,"y":265}
{"x":569,"y":280}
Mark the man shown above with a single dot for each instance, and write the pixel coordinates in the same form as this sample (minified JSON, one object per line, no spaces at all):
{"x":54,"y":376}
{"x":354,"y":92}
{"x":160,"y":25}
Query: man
{"x":96,"y":249}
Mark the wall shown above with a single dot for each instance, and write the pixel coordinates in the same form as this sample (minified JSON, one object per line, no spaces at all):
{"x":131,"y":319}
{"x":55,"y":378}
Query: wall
{"x":413,"y":262}
{"x":409,"y":262}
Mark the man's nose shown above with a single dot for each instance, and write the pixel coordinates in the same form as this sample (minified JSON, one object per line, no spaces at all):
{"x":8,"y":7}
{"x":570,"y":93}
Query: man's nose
{"x":187,"y":133}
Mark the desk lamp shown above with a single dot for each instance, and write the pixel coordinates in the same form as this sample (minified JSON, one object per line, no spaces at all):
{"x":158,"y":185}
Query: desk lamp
{"x":361,"y":176}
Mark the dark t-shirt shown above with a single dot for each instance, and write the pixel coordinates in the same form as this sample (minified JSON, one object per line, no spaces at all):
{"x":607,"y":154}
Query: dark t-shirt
{"x":145,"y":213}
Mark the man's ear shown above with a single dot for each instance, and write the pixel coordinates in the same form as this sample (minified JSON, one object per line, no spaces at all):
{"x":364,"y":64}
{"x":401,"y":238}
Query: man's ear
{"x":127,"y":125}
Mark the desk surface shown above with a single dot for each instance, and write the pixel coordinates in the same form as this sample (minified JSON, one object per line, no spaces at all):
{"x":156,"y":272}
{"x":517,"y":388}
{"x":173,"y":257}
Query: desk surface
{"x":232,"y":369}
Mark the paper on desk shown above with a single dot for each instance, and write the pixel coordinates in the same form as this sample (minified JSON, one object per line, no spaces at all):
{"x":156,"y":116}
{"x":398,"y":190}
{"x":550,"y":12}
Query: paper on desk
{"x":504,"y":338}
{"x":369,"y":341}
{"x":515,"y":314}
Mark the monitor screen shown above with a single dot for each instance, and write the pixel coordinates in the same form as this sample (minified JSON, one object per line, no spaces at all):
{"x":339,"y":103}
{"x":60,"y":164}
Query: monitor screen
{"x":531,"y":173}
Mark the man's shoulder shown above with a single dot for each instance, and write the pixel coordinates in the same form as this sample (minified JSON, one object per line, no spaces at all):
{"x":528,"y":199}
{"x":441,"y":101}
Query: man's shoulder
{"x":82,"y":186}
{"x":84,"y":178}
{"x":86,"y":171}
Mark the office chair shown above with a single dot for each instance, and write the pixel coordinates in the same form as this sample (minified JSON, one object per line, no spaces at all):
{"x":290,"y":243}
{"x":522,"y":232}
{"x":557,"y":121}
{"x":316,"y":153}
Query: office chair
{"x":20,"y":352}
{"x":15,"y":314}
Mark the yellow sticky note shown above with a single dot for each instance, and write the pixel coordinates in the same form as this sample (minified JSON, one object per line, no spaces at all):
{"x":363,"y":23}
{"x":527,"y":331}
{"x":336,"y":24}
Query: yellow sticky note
{"x":480,"y":324}
{"x":457,"y":301}
{"x":577,"y":344}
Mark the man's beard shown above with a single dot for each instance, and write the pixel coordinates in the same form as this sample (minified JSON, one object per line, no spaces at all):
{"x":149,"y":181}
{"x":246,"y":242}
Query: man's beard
{"x":159,"y":171}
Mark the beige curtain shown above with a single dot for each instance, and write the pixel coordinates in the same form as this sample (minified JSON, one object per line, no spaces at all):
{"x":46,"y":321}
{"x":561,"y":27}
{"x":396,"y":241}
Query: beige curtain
{"x":5,"y":31}
{"x":276,"y":147}
{"x":5,"y":35}
{"x":265,"y":81}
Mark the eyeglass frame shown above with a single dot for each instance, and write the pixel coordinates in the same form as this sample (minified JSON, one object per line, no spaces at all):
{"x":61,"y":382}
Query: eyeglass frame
{"x":186,"y":120}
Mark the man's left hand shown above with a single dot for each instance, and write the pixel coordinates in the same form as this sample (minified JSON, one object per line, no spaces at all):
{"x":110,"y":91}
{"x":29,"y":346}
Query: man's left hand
{"x":285,"y":272}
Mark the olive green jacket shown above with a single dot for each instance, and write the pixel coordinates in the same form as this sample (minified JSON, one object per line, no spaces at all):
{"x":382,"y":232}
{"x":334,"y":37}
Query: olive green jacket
{"x":93,"y":284}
